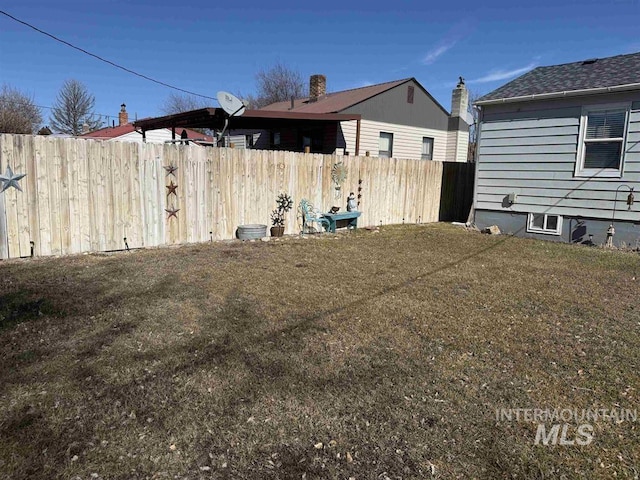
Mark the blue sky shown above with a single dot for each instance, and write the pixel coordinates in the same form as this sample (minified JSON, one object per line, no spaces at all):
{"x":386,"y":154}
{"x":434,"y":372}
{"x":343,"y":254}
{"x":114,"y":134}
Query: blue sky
{"x":210,"y":46}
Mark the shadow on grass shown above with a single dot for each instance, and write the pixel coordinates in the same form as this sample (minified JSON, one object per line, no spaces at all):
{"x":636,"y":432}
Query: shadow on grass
{"x":20,"y":307}
{"x":257,"y":361}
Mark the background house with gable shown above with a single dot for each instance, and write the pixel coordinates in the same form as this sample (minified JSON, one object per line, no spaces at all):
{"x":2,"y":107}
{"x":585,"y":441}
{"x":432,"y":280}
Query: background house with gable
{"x":394,"y":119}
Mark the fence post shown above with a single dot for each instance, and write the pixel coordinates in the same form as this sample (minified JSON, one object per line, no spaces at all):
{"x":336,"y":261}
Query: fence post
{"x":4,"y":239}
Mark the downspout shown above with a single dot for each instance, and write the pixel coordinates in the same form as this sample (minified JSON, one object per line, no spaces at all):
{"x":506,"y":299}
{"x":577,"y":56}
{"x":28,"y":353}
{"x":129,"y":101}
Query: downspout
{"x":476,"y":156}
{"x":358,"y":137}
{"x":144,"y":136}
{"x":478,"y":132}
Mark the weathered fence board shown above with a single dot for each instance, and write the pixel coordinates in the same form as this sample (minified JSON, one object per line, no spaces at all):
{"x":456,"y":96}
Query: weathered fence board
{"x":85,"y":195}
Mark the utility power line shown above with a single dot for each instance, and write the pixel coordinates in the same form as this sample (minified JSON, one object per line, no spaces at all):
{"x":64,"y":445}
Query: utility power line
{"x":95,"y":114}
{"x":113,"y":64}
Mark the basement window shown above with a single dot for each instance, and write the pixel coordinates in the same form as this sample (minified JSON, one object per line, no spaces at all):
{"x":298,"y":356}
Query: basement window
{"x":602,"y":137}
{"x":544,"y":223}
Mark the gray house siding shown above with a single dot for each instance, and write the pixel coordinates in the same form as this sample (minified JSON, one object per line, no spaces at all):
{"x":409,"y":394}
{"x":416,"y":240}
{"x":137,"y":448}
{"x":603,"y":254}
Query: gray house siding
{"x":530,"y":149}
{"x":391,"y":106}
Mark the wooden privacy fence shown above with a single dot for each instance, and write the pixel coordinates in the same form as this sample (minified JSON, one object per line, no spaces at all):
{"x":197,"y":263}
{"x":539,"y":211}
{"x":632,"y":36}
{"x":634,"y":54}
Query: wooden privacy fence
{"x":86,"y":195}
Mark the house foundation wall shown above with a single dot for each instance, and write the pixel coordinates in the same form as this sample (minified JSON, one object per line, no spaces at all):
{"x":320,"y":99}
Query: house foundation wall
{"x":574,"y":229}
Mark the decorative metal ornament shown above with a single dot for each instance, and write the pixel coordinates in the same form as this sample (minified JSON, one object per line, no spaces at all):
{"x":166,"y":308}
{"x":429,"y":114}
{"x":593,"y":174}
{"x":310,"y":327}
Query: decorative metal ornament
{"x":338,"y":176}
{"x":10,"y":179}
{"x":172,"y":212}
{"x":171,"y":169}
{"x":611,"y":231}
{"x":352,"y":204}
{"x":172,"y":189}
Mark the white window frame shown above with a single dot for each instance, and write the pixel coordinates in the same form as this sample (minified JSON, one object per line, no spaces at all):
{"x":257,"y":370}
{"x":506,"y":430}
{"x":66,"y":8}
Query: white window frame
{"x":580,"y":171}
{"x":544,"y":229}
{"x":390,"y":155}
{"x":430,"y":155}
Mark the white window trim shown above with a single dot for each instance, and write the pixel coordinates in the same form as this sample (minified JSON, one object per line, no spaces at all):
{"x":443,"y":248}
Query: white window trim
{"x":600,"y":172}
{"x":545,"y":231}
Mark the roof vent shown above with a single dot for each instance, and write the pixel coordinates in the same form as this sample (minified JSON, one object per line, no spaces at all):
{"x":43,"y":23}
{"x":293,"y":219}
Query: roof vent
{"x":590,"y":61}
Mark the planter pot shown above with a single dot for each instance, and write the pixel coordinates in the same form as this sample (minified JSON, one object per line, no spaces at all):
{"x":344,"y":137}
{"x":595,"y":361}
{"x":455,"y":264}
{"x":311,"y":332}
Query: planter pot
{"x":277,"y":231}
{"x":251,"y":232}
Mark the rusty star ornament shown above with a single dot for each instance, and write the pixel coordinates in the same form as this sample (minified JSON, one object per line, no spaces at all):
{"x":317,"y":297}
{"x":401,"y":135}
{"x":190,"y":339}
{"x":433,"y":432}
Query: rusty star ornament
{"x":172,"y":189}
{"x":172,"y":212}
{"x":10,"y":179}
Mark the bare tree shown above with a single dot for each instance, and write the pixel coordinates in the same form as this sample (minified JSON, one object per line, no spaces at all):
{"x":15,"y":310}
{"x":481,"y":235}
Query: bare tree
{"x":18,"y":112}
{"x":278,"y":84}
{"x":178,"y":103}
{"x":473,"y":110}
{"x":250,"y":101}
{"x":73,"y":108}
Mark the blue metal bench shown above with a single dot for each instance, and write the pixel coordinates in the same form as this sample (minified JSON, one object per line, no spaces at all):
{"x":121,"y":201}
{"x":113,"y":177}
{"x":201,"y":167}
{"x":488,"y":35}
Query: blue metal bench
{"x":350,"y":218}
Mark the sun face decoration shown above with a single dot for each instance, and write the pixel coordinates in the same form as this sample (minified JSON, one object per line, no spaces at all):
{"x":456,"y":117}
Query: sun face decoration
{"x":338,"y":176}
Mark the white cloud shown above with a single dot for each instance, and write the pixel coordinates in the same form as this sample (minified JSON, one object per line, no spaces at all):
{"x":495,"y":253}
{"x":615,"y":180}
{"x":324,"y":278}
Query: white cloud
{"x":498,"y":75}
{"x":457,"y":32}
{"x":437,"y":52}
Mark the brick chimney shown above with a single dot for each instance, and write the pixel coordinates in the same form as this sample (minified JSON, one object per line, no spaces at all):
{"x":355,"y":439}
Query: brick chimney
{"x":459,"y":117}
{"x":317,"y":87}
{"x":123,"y":116}
{"x":460,"y":100}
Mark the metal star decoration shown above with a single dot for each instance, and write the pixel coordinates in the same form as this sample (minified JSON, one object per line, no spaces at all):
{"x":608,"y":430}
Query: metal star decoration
{"x":171,"y":169}
{"x":172,"y":212}
{"x":10,"y":179}
{"x":172,"y":189}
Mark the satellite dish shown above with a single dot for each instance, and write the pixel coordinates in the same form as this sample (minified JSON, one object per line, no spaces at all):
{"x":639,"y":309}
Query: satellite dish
{"x":469,"y":118}
{"x":233,"y":107}
{"x":231,"y":104}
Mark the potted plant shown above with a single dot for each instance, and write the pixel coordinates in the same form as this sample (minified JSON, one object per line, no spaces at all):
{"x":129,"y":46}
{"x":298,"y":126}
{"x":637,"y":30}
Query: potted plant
{"x":284,"y":203}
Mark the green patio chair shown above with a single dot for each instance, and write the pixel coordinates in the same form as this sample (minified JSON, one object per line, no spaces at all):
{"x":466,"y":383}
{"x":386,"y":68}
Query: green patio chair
{"x":311,"y":215}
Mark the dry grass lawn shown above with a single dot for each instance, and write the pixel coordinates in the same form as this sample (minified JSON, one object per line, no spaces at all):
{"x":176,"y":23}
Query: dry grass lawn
{"x":367,"y":356}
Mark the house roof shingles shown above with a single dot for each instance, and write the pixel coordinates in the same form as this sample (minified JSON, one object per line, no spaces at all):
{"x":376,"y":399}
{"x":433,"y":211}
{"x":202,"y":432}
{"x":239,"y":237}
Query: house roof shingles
{"x":335,"y":102}
{"x":583,"y":75}
{"x":114,"y":132}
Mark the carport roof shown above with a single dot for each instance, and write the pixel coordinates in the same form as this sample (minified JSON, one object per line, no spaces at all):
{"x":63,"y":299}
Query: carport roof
{"x":214,"y":118}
